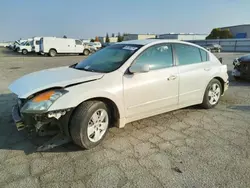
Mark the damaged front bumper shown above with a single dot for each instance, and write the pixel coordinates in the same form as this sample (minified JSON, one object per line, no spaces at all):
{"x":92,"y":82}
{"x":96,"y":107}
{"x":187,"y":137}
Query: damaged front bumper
{"x":45,"y":124}
{"x":236,"y":73}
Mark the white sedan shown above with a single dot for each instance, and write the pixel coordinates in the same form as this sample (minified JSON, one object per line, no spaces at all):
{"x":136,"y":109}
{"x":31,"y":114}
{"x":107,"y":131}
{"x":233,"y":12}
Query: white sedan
{"x":118,"y":84}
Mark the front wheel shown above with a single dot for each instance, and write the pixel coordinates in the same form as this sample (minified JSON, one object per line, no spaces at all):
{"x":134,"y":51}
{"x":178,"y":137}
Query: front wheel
{"x":86,"y":52}
{"x":212,"y":94}
{"x":89,"y":124}
{"x":24,"y":51}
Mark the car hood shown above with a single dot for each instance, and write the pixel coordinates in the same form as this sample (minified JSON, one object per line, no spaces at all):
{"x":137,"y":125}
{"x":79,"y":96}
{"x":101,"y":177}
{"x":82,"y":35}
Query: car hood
{"x":50,"y":78}
{"x":245,"y":58}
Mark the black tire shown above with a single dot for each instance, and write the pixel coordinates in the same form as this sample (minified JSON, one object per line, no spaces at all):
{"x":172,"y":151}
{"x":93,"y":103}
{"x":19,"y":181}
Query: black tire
{"x":24,"y":51}
{"x":79,"y":123}
{"x":86,"y":52}
{"x":52,"y":53}
{"x":206,"y":104}
{"x":237,"y":78}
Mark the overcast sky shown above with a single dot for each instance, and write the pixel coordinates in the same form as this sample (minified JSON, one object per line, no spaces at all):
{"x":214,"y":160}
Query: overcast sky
{"x":90,"y":18}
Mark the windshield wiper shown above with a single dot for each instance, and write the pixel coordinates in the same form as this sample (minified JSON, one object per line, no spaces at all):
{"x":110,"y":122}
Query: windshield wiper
{"x":73,"y":66}
{"x":89,"y":70}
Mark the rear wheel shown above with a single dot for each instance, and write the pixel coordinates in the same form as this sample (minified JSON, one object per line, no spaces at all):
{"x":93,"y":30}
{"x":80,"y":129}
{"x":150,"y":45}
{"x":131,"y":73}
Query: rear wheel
{"x":86,"y":52}
{"x":212,"y":94}
{"x":52,"y":53}
{"x":89,"y":124}
{"x":24,"y":51}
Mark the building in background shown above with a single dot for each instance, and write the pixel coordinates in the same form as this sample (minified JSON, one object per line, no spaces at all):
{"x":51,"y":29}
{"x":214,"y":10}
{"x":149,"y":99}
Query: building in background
{"x":183,"y":36}
{"x":239,"y":31}
{"x":111,"y":39}
{"x":139,"y":36}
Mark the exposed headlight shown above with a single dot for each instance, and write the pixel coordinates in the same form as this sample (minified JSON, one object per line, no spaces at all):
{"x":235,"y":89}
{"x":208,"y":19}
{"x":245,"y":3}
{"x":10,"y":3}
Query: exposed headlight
{"x":43,"y":101}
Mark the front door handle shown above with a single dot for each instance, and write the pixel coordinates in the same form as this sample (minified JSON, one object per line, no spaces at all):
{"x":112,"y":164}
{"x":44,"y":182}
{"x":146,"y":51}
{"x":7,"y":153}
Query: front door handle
{"x":172,"y":77}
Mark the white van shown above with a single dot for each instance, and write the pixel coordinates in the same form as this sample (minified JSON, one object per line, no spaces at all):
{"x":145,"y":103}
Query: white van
{"x":54,"y":45}
{"x":35,"y":45}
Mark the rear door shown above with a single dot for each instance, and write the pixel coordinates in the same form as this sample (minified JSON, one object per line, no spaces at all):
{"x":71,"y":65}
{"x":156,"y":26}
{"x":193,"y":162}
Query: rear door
{"x":194,"y":71}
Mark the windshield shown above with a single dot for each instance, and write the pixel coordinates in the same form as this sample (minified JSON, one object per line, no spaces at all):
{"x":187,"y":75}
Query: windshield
{"x":108,"y":59}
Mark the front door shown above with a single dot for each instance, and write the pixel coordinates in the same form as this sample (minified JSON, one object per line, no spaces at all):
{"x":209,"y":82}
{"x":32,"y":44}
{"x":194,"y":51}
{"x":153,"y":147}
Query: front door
{"x":78,"y":46}
{"x":155,"y":90}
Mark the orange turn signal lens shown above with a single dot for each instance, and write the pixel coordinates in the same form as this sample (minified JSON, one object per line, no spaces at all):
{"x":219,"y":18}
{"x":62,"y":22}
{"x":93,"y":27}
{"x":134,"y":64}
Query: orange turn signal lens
{"x":43,"y":96}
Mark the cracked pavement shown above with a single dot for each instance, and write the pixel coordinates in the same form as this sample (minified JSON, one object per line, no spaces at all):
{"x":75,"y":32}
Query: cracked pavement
{"x":191,"y":147}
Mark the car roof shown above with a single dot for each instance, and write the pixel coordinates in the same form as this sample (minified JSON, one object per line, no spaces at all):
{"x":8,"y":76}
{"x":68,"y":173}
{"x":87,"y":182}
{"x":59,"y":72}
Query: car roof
{"x":152,"y":41}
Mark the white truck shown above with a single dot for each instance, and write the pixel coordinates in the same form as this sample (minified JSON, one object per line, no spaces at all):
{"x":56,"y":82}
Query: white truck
{"x":17,"y":43}
{"x":54,"y":45}
{"x":31,"y":45}
{"x":24,"y":47}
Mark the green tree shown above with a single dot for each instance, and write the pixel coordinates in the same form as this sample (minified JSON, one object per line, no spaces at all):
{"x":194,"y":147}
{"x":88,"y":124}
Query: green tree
{"x":113,"y":35}
{"x":225,"y":34}
{"x":107,"y":38}
{"x":119,"y":37}
{"x":92,"y":40}
{"x":218,"y":33}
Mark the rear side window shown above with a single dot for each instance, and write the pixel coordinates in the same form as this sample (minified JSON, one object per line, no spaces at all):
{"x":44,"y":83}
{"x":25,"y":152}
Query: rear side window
{"x":78,"y":42}
{"x":37,"y":42}
{"x":187,"y":54}
{"x":204,"y":55}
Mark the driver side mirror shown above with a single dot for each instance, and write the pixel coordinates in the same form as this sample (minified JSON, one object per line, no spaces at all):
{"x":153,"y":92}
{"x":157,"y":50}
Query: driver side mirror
{"x":137,"y":68}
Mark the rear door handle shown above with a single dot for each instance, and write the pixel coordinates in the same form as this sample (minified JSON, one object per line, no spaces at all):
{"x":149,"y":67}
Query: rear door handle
{"x":172,"y":77}
{"x":207,"y":69}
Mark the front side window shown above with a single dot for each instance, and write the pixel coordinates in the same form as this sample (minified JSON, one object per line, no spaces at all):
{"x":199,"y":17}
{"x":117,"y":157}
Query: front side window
{"x":37,"y":42}
{"x":157,"y":57}
{"x":108,"y":59}
{"x":78,"y":42}
{"x":187,"y":54}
